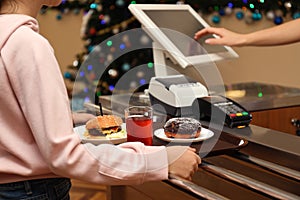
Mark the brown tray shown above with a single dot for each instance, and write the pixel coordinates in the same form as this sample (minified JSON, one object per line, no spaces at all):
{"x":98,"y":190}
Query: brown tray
{"x":224,"y":144}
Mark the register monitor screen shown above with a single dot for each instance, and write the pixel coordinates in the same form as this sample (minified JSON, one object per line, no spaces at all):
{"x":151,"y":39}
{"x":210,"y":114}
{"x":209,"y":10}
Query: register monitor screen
{"x":162,"y":22}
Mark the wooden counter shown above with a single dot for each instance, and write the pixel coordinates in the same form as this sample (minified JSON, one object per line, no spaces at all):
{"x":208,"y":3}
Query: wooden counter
{"x":272,"y":106}
{"x":267,"y":168}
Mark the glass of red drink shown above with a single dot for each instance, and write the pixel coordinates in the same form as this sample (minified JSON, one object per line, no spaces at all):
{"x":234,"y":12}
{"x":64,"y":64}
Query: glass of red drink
{"x":139,"y":124}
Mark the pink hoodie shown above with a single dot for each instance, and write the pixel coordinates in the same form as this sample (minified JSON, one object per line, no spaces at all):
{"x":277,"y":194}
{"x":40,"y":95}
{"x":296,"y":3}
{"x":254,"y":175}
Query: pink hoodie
{"x":36,"y":134}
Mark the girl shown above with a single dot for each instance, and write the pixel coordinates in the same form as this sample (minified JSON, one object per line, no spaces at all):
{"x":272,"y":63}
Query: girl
{"x":39,"y":151}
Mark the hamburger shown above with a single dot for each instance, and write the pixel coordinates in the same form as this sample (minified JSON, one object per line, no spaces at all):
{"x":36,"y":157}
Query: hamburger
{"x":104,"y":125}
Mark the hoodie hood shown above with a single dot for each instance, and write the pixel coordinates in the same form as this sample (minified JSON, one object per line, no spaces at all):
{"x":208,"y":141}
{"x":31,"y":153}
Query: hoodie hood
{"x":9,"y":23}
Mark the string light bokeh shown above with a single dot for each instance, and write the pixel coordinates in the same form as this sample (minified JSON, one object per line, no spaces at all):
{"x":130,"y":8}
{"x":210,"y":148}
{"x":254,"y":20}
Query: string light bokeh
{"x":103,"y":19}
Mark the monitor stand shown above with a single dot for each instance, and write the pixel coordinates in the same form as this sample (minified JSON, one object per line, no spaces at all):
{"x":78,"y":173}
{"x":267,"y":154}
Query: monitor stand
{"x":205,"y":73}
{"x":164,"y":65}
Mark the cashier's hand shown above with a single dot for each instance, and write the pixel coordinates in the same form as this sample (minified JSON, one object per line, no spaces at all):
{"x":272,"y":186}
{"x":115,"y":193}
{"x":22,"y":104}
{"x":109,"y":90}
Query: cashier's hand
{"x":81,"y":118}
{"x":226,"y":37}
{"x":183,"y":161}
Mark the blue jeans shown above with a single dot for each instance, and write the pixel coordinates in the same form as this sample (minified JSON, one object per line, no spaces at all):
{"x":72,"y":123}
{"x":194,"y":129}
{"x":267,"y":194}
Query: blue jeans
{"x":41,"y":189}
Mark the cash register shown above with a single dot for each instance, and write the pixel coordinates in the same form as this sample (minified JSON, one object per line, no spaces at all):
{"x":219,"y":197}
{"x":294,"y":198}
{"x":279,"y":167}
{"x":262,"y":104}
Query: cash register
{"x":179,"y":60}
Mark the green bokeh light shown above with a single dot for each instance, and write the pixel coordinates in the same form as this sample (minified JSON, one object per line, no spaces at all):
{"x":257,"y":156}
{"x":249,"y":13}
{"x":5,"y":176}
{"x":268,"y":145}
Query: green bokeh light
{"x":109,"y":43}
{"x":150,"y":65}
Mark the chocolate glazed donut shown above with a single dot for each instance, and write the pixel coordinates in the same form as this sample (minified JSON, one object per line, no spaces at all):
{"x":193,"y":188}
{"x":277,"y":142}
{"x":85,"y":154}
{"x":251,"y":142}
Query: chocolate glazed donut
{"x":183,"y":127}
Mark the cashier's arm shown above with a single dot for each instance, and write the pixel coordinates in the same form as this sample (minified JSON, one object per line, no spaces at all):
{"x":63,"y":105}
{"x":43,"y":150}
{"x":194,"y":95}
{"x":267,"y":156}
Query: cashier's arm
{"x":285,"y":33}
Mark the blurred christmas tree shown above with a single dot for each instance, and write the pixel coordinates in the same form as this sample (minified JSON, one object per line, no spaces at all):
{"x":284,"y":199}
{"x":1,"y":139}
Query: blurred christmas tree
{"x":104,"y":19}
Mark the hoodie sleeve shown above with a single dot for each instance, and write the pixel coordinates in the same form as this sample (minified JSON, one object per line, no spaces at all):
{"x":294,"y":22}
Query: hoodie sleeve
{"x":39,"y":87}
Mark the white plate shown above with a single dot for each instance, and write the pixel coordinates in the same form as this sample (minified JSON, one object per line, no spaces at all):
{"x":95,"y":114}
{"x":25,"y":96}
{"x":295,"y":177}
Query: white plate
{"x":80,"y":130}
{"x":204,"y":135}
